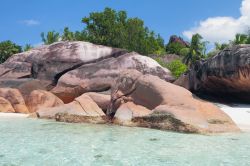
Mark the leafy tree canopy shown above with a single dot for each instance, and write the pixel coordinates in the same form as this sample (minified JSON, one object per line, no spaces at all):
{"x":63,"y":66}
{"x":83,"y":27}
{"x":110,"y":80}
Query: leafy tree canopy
{"x":7,"y":49}
{"x":174,"y":48}
{"x":112,"y":28}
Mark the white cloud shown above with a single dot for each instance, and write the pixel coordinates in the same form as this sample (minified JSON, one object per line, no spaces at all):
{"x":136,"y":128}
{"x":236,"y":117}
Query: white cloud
{"x":222,"y":29}
{"x":30,"y":22}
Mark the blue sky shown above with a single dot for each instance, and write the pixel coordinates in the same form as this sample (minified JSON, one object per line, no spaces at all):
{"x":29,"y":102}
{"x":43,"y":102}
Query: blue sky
{"x":22,"y":21}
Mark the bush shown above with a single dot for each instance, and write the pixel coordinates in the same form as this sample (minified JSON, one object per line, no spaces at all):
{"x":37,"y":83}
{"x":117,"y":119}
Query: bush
{"x":184,"y":52}
{"x":177,"y":68}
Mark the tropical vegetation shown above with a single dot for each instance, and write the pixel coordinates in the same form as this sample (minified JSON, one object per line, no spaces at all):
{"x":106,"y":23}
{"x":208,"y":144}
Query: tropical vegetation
{"x":7,"y":49}
{"x":116,"y":29}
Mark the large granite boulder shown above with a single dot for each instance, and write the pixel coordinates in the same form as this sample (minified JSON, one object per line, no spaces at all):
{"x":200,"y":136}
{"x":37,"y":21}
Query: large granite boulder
{"x":82,"y":109}
{"x":5,"y":106}
{"x":101,"y":76}
{"x":70,"y":69}
{"x":171,"y":107}
{"x":49,"y":62}
{"x":15,"y":98}
{"x":226,"y":75}
{"x":42,"y":99}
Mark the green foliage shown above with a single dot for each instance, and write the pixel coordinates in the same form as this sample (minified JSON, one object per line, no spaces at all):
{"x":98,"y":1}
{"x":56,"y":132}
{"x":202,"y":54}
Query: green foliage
{"x":160,"y":52}
{"x":212,"y":53}
{"x":81,"y":36}
{"x":174,"y":48}
{"x":51,"y":37}
{"x":177,"y":68}
{"x":241,"y":39}
{"x":112,"y":28}
{"x":197,"y":50}
{"x":74,"y":36}
{"x":184,"y":52}
{"x":7,"y":49}
{"x":161,"y":62}
{"x":27,"y":47}
{"x":68,"y":35}
{"x":220,"y":47}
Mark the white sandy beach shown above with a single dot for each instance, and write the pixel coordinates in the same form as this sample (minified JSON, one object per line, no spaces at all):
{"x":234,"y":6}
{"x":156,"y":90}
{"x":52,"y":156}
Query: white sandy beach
{"x":14,"y":115}
{"x":240,"y":114}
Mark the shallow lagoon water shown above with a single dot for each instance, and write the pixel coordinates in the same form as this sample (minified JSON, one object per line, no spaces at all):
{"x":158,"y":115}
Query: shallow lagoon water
{"x":28,"y":142}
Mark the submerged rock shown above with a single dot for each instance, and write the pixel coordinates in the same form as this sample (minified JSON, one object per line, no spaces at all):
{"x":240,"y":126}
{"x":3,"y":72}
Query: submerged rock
{"x":172,"y":107}
{"x":226,"y":75}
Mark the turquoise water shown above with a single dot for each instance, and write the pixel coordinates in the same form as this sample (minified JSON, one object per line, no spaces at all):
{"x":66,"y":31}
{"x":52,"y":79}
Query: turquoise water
{"x":47,"y":143}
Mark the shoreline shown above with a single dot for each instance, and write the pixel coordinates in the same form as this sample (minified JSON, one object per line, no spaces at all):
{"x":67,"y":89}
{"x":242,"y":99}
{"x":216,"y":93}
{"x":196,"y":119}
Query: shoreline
{"x":239,"y":113}
{"x":13,"y":115}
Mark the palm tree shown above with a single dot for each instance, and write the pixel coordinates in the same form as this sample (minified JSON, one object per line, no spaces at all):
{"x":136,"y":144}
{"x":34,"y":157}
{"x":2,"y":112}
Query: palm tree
{"x":220,"y":47}
{"x":241,"y":39}
{"x":196,"y":51}
{"x":51,"y":37}
{"x":68,"y":35}
{"x":27,"y":47}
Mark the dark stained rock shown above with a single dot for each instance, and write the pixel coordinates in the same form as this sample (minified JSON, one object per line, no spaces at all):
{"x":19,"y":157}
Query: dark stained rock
{"x":226,"y":75}
{"x":172,"y":107}
{"x":176,"y":39}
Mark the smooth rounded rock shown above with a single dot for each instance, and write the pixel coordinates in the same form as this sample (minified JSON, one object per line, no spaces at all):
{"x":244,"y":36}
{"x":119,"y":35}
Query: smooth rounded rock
{"x":172,"y":107}
{"x":15,"y":98}
{"x":42,"y":99}
{"x":5,"y":106}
